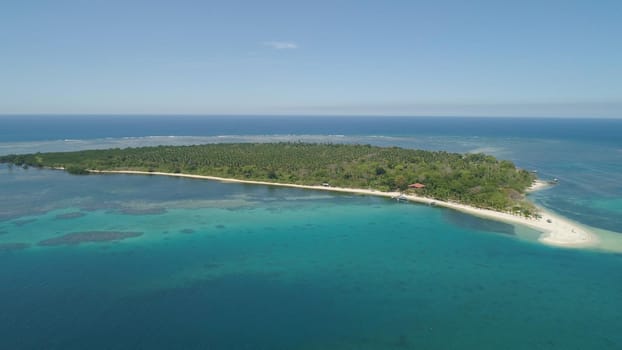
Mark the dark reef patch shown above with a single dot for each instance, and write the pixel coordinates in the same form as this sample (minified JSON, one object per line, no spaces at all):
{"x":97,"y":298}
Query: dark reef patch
{"x":220,"y":226}
{"x":187,"y":231}
{"x":73,"y":215}
{"x":95,"y":206}
{"x":20,"y":223}
{"x":8,"y":247}
{"x":144,"y":211}
{"x":76,"y":238}
{"x":3,"y":232}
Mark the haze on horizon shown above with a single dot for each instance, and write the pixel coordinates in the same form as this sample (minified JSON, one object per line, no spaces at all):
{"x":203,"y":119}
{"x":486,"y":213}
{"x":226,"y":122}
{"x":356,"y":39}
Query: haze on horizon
{"x":481,"y":58}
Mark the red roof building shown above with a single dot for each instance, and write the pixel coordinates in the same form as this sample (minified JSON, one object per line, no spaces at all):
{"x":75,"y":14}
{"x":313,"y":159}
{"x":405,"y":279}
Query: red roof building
{"x":417,"y":185}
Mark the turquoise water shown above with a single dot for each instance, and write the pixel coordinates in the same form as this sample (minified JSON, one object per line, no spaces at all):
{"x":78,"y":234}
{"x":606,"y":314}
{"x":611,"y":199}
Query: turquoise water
{"x":584,"y":154}
{"x":204,"y":265}
{"x":230,"y":266}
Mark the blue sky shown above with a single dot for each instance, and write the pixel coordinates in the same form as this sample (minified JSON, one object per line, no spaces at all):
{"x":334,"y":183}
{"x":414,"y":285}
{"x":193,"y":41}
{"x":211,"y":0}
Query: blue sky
{"x":522,"y":58}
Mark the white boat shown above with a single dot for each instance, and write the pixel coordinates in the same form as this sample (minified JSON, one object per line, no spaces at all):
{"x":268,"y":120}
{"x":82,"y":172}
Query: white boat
{"x":402,"y":198}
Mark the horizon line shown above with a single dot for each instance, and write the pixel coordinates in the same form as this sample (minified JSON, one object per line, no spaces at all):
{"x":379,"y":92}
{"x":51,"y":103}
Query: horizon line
{"x":301,"y":115}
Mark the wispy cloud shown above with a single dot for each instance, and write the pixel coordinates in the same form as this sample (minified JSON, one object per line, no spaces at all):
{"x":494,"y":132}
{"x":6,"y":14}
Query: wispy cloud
{"x":281,"y":45}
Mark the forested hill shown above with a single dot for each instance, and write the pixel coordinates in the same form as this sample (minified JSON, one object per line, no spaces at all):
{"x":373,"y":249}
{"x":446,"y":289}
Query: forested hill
{"x":474,"y":179}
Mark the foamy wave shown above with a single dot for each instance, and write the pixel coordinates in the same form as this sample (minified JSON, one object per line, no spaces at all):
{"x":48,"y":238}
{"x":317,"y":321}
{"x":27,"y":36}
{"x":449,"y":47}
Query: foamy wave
{"x":430,"y":142}
{"x":487,"y":150}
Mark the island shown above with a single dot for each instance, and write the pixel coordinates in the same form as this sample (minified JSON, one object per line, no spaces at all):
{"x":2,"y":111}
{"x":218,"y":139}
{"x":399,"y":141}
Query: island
{"x":477,"y":184}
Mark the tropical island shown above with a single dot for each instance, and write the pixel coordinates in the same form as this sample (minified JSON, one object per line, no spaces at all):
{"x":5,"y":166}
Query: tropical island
{"x":477,"y":184}
{"x":475,"y":179}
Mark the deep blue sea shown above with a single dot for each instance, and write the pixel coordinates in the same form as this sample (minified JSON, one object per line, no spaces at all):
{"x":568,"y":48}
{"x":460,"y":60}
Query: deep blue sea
{"x":193,"y":264}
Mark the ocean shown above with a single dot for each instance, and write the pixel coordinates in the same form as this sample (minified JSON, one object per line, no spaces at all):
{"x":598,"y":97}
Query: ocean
{"x":194,"y":264}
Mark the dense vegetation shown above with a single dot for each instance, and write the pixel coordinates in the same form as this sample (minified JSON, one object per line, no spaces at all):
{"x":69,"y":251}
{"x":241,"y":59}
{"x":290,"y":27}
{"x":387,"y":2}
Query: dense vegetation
{"x":474,"y":179}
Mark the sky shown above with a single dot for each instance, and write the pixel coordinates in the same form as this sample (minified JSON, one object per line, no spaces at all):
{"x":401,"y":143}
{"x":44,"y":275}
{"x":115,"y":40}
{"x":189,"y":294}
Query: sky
{"x":483,"y":58}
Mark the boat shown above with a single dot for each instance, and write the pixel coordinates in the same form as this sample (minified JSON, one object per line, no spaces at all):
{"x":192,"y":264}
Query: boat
{"x":555,"y":181}
{"x":401,"y":198}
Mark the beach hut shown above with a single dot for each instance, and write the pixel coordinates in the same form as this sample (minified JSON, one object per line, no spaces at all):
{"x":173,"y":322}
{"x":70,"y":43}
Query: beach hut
{"x":416,"y":186}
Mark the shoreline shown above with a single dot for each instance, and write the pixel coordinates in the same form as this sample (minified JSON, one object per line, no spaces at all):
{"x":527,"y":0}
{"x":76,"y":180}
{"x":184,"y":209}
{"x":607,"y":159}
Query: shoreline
{"x":555,"y":230}
{"x":538,"y":185}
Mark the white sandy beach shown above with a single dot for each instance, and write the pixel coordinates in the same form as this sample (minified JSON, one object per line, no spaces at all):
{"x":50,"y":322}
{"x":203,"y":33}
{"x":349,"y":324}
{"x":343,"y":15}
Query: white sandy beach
{"x":539,"y":185}
{"x":556,"y":230}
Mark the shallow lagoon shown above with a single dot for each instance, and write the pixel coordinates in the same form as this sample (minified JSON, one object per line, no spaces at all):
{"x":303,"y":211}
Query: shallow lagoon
{"x":241,"y":266}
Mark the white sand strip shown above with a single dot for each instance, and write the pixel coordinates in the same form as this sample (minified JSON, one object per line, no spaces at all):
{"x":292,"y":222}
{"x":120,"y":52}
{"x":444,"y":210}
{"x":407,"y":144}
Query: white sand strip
{"x":556,"y":230}
{"x":538,"y":185}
